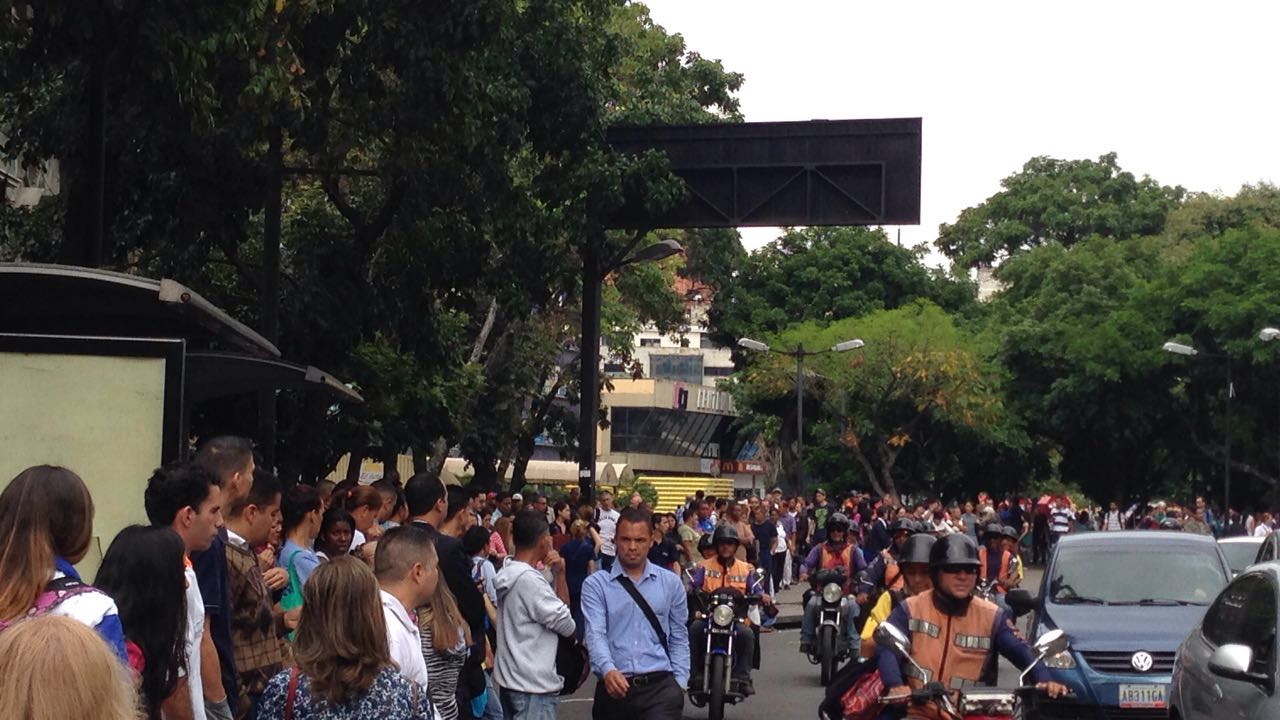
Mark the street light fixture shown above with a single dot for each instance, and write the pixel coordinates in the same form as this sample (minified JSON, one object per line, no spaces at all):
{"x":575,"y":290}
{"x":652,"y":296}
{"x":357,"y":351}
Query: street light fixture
{"x":1189,"y":351}
{"x":800,"y":354}
{"x":594,"y":271}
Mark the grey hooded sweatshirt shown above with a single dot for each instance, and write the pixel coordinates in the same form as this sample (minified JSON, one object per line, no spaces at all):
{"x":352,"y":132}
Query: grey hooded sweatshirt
{"x":530,"y":617}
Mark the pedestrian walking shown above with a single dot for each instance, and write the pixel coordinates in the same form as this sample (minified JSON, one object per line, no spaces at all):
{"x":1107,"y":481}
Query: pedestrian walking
{"x":606,"y":520}
{"x":637,"y":635}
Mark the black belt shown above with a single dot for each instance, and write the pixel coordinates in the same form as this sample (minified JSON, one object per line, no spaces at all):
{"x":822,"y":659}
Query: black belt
{"x":644,"y":679}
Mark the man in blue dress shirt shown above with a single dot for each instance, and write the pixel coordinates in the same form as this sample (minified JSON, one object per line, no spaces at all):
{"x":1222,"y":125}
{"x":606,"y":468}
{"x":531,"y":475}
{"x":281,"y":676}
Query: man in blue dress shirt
{"x":639,"y":678}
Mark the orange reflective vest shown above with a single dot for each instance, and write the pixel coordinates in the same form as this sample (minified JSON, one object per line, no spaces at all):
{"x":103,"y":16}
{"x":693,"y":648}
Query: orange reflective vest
{"x":951,"y":648}
{"x":842,"y":560}
{"x":893,"y":579}
{"x":716,"y":577}
{"x":1005,"y":557}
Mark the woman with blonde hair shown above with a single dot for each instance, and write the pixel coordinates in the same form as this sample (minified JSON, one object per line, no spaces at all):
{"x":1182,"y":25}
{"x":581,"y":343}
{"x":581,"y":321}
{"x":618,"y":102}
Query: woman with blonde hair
{"x":445,"y":640}
{"x":46,"y":525}
{"x":344,"y":669}
{"x":53,"y":667}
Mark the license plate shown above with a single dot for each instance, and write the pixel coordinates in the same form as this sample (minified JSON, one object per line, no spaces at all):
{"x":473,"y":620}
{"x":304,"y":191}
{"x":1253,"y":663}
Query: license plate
{"x":1142,"y":696}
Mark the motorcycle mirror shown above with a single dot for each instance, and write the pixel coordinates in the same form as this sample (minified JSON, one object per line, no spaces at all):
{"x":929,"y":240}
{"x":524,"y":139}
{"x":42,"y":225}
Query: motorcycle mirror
{"x":1052,"y":643}
{"x":889,"y":637}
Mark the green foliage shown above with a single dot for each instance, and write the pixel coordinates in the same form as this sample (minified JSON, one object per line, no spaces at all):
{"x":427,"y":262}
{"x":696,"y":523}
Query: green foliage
{"x":824,"y":275}
{"x":1057,"y":201}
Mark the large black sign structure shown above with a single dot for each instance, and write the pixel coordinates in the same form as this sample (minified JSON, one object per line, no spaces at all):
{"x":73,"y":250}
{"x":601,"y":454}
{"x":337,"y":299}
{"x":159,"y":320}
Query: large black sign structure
{"x":821,"y":172}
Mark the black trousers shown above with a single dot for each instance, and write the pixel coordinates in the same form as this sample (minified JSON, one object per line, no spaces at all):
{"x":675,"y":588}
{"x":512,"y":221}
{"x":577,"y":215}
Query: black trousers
{"x":650,"y":698}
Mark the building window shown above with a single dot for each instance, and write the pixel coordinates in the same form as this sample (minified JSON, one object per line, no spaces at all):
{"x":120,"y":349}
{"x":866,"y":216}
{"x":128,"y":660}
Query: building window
{"x":650,"y":342}
{"x":660,"y":431}
{"x":718,"y":371}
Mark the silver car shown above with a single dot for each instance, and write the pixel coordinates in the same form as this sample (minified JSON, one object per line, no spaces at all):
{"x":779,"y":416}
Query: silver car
{"x":1227,"y":667}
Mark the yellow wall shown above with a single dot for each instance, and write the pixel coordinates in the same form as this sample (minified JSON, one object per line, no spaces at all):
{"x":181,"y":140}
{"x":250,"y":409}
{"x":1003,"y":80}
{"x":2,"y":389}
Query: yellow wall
{"x":673,"y":490}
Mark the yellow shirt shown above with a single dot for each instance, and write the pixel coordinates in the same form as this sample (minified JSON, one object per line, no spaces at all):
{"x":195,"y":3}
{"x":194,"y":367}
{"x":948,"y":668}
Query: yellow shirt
{"x":879,"y":614}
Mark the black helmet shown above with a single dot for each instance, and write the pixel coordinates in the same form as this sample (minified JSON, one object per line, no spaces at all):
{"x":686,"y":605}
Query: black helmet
{"x":954,"y":549}
{"x":994,"y":530}
{"x":902,"y":525}
{"x":705,"y":543}
{"x":1010,"y":533}
{"x":917,"y":550}
{"x":726,"y":533}
{"x":838,"y":522}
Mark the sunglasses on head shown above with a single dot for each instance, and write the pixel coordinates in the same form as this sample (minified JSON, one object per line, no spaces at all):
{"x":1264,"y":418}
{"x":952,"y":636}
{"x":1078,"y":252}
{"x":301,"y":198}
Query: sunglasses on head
{"x":959,"y":570}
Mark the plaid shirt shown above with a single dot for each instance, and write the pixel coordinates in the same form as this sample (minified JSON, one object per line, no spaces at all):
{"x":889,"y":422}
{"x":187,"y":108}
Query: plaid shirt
{"x":257,"y":630}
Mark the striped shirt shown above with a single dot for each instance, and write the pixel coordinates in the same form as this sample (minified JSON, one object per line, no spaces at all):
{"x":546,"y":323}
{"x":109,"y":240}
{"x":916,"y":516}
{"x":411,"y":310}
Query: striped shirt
{"x":1060,"y":519}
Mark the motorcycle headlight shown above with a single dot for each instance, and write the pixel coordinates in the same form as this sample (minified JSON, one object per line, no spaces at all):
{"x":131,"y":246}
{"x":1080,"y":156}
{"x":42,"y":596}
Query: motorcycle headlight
{"x":832,"y":593}
{"x":1061,"y":661}
{"x":722,"y":615}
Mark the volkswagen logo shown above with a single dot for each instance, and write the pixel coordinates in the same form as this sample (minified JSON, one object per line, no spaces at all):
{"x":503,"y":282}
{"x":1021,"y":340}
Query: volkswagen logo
{"x":1142,"y":661}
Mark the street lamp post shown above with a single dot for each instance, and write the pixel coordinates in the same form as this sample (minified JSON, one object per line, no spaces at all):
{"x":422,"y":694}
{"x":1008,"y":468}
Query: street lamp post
{"x":594,"y":270}
{"x":1189,"y":351}
{"x":1270,"y":334}
{"x":799,"y":354}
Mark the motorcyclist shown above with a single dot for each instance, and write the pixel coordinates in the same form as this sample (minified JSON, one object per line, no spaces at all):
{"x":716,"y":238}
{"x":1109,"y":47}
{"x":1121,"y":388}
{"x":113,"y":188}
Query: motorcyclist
{"x":1015,"y":561}
{"x":949,"y":624}
{"x":883,"y":572}
{"x":995,"y":563}
{"x":724,"y":572}
{"x":838,"y":552}
{"x":913,"y":563}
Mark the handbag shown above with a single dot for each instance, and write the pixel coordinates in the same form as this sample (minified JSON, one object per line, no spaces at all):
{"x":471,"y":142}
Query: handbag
{"x":862,"y":700}
{"x":572,"y":664}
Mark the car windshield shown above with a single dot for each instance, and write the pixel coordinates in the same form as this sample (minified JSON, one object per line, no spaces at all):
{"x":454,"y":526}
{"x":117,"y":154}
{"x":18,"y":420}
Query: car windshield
{"x":1135,"y":576}
{"x":1240,"y":555}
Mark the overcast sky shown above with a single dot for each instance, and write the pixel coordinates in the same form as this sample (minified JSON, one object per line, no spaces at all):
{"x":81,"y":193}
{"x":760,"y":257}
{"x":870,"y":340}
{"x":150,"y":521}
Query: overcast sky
{"x":1185,"y":92}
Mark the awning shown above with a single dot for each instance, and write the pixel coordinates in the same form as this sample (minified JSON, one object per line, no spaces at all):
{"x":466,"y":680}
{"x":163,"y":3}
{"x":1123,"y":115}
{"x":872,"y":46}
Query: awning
{"x":65,"y":300}
{"x":211,"y":375}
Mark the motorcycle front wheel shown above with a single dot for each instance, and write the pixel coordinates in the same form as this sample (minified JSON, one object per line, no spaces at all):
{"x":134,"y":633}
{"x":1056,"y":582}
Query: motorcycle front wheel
{"x":827,"y":652}
{"x":715,"y":688}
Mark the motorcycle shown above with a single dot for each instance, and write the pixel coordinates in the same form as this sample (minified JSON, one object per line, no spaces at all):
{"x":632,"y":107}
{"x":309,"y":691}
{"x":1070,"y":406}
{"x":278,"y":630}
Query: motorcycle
{"x":830,"y":646}
{"x":972,"y":703}
{"x":725,"y":611}
{"x":986,"y":589}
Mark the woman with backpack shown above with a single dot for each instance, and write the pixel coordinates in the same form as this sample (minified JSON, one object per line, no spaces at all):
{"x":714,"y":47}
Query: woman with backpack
{"x":46,"y":526}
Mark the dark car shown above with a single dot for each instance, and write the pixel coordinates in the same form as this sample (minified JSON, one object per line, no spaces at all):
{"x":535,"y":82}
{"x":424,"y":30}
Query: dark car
{"x":1126,"y":600}
{"x":1227,"y":667}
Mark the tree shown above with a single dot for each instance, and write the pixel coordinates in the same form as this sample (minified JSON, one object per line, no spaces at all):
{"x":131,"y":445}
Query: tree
{"x":825,"y":275}
{"x":1057,"y":201}
{"x":918,"y":371}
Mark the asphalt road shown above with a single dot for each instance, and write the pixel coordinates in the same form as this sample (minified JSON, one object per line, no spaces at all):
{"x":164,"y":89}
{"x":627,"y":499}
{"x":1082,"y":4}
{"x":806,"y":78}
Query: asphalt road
{"x":786,"y":684}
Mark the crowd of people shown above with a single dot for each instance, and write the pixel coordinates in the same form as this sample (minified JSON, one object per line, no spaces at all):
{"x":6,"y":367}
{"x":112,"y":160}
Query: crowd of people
{"x":242,"y":598}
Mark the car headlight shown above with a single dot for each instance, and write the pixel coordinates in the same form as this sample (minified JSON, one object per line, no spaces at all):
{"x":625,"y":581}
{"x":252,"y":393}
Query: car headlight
{"x":832,"y":593}
{"x":1061,"y":661}
{"x":722,"y":615}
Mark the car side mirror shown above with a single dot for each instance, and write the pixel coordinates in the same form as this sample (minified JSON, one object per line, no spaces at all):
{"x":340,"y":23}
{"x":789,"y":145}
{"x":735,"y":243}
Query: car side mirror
{"x":1235,"y":662}
{"x":1021,"y":601}
{"x":1053,"y":642}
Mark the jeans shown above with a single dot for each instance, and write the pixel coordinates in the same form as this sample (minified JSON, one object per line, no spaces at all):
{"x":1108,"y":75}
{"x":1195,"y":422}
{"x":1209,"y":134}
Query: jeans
{"x":744,"y":649}
{"x":493,"y":705}
{"x":849,"y":610}
{"x":529,"y":706}
{"x":220,"y":710}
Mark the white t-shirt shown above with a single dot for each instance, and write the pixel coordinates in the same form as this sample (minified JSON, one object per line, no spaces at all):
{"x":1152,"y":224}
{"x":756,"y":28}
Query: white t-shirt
{"x":608,"y":522}
{"x":195,"y":635}
{"x":357,"y":539}
{"x":90,"y":608}
{"x":780,"y":543}
{"x":403,"y":639}
{"x":1261,"y":531}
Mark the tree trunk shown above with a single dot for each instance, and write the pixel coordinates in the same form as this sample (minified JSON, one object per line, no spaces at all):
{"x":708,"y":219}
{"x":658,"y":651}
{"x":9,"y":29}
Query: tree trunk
{"x":353,"y":468}
{"x":390,"y":463}
{"x":524,"y":452}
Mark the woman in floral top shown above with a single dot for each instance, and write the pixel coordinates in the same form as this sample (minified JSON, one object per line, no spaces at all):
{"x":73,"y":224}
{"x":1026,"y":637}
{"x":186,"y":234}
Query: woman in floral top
{"x":344,"y":669}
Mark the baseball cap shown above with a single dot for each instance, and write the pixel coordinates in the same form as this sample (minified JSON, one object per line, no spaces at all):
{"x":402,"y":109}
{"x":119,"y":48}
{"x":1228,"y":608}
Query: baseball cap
{"x":517,"y":496}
